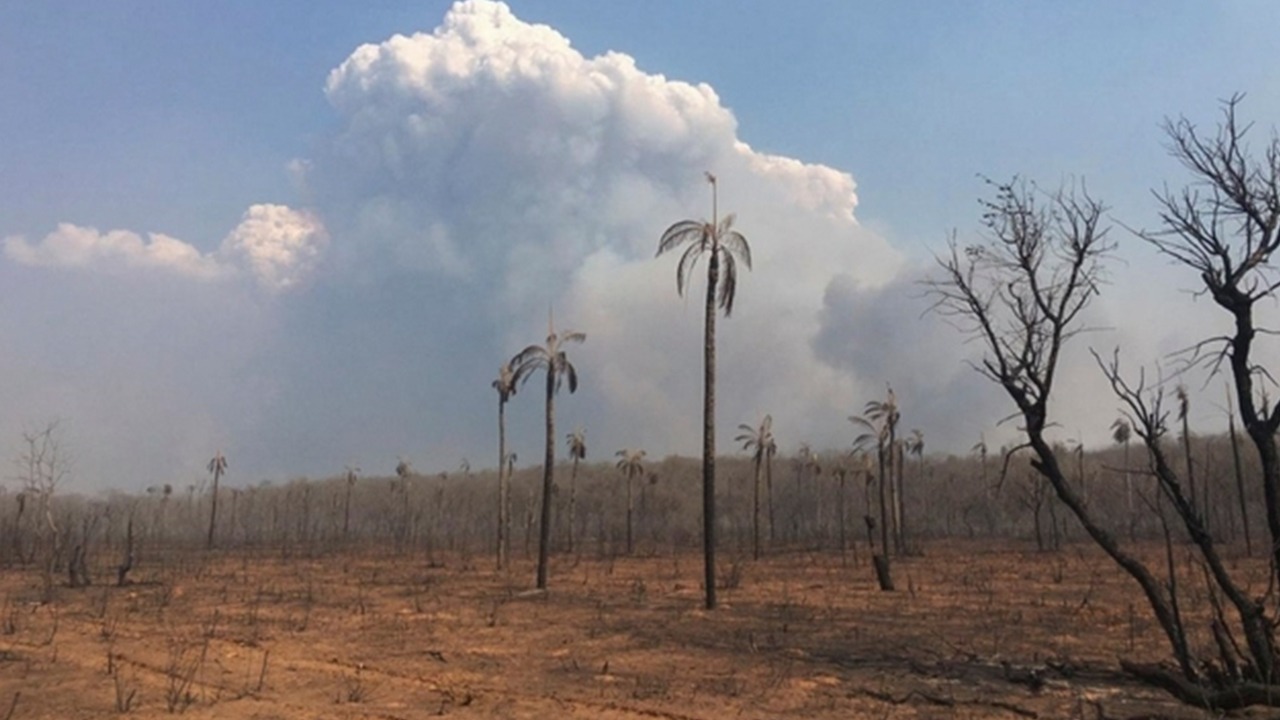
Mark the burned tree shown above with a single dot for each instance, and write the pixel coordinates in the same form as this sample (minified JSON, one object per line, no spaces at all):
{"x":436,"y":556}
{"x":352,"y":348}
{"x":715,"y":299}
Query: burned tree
{"x":1224,"y":226}
{"x":1021,"y":291}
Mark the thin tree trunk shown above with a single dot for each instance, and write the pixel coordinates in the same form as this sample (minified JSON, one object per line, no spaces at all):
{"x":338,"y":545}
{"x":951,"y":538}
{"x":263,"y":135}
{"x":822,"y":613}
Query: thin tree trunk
{"x":844,"y":544}
{"x":1128,"y":491}
{"x":573,"y":504}
{"x":881,"y":561}
{"x":768,"y":488}
{"x":899,"y":500}
{"x":1186,"y":449}
{"x":709,"y":431}
{"x":630,"y":514}
{"x":544,"y":531}
{"x":1244,"y":504}
{"x":504,"y":525}
{"x":213,"y":509}
{"x":755,"y":514}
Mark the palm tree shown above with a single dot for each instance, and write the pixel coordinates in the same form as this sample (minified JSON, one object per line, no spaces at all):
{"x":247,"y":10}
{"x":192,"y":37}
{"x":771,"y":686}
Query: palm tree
{"x":631,"y":464}
{"x":352,"y":475}
{"x":880,"y":419}
{"x":505,"y":385}
{"x":1122,"y":433}
{"x":1184,"y":406}
{"x":552,"y":358}
{"x":217,"y":466}
{"x":841,"y":473}
{"x":913,"y":444}
{"x":810,"y":468}
{"x":577,"y":451}
{"x":723,"y":246}
{"x":980,"y":449}
{"x":757,"y":441}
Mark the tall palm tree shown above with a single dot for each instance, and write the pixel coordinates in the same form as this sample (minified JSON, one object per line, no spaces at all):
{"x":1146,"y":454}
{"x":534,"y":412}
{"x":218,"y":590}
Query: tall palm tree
{"x":632,"y":465}
{"x":756,"y":440}
{"x":577,"y":451}
{"x":552,"y":358}
{"x":724,"y":247}
{"x":217,"y":466}
{"x":505,"y":385}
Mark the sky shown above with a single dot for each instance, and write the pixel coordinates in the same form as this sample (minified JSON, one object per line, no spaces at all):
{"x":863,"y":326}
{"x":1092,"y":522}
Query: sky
{"x":307,"y":233}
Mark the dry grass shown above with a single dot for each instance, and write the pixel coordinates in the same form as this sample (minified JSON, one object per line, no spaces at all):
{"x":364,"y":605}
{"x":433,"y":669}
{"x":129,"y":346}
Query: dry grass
{"x":802,"y":635}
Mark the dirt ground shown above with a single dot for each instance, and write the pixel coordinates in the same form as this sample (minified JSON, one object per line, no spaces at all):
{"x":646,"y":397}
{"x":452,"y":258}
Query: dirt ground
{"x":973,"y":631}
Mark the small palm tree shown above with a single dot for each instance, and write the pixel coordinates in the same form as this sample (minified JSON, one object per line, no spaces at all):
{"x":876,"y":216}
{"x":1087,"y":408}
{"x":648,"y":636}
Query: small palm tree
{"x":1184,"y":408}
{"x":841,"y":474}
{"x":724,"y":247}
{"x":217,"y":466}
{"x":913,"y":444}
{"x":353,"y":474}
{"x":756,"y":440}
{"x":505,"y":385}
{"x":1122,"y":433}
{"x":577,"y":441}
{"x":632,"y":466}
{"x":880,"y":419}
{"x":552,"y":358}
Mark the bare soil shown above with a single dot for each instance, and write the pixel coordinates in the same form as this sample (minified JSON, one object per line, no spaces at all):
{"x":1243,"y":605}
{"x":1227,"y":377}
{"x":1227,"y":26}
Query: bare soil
{"x":973,"y":631}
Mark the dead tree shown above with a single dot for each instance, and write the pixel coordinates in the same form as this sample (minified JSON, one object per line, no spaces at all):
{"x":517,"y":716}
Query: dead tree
{"x":1022,"y":290}
{"x":42,"y":467}
{"x":1225,"y":226}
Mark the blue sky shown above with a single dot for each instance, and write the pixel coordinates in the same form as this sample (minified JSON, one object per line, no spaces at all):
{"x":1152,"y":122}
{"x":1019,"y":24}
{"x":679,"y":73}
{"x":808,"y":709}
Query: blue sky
{"x":174,"y":118}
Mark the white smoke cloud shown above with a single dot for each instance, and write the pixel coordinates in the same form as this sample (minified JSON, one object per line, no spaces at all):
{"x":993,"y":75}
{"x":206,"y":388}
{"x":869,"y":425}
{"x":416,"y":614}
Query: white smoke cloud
{"x":278,"y":246}
{"x":492,"y":155}
{"x":72,"y":246}
{"x":480,"y":175}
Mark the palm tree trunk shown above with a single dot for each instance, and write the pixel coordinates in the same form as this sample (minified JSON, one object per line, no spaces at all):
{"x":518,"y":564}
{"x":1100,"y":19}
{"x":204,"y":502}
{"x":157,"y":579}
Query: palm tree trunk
{"x":709,"y":432}
{"x":213,"y":509}
{"x":755,"y":514}
{"x":504,"y":524}
{"x":768,"y":489}
{"x":1186,"y":449}
{"x":573,"y":504}
{"x":844,"y":540}
{"x":631,"y":507}
{"x":1244,"y":505}
{"x":881,"y":561}
{"x":346,"y":514}
{"x":899,"y":499}
{"x":544,"y":530}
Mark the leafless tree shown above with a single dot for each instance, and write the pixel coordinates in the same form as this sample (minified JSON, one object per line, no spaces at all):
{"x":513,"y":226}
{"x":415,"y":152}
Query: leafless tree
{"x":1021,"y":291}
{"x":43,"y":465}
{"x":1225,"y":227}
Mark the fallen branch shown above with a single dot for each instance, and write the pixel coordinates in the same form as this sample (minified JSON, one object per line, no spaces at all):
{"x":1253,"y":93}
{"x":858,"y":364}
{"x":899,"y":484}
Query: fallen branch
{"x":942,"y":701}
{"x":1235,"y":697}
